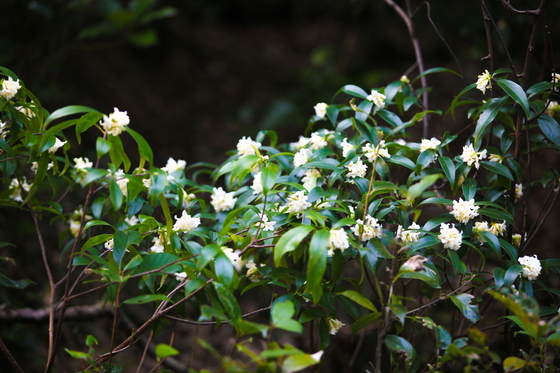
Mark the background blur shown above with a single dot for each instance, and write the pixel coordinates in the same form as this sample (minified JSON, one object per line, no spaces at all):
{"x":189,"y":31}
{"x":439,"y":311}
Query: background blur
{"x":197,"y":75}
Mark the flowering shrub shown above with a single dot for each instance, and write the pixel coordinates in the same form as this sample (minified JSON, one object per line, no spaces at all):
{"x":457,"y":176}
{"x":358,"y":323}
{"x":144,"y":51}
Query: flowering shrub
{"x":357,"y":229}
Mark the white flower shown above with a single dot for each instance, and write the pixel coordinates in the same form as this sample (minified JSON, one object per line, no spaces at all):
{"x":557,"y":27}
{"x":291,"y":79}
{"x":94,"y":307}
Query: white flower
{"x":372,"y":153}
{"x":518,"y":191}
{"x":157,"y":245}
{"x":133,"y":220}
{"x":35,"y":166}
{"x":471,"y":156}
{"x":75,"y":227}
{"x":17,"y":188}
{"x":429,"y":144}
{"x":365,"y":232}
{"x":80,"y":164}
{"x":181,"y":276}
{"x":257,"y":184}
{"x":400,"y":141}
{"x":297,"y":202}
{"x":317,"y":355}
{"x":27,"y":111}
{"x":222,"y":201}
{"x":253,"y":273}
{"x":317,"y":141}
{"x":302,"y":157}
{"x":409,"y":234}
{"x":356,"y":169}
{"x":265,"y":225}
{"x":109,"y":245}
{"x":300,"y":144}
{"x":334,"y":325}
{"x":516,"y":240}
{"x":498,"y":229}
{"x":514,"y":290}
{"x":246,"y":146}
{"x":405,"y":79}
{"x":311,"y":173}
{"x":185,"y":223}
{"x":464,"y":211}
{"x":338,"y":239}
{"x":346,"y":147}
{"x":57,"y":145}
{"x":484,"y":81}
{"x":377,"y":98}
{"x":115,"y":123}
{"x":450,"y":236}
{"x":321,"y":109}
{"x":9,"y":88}
{"x":531,"y":266}
{"x":122,"y":181}
{"x":233,"y":257}
{"x":173,"y":165}
{"x":480,"y":226}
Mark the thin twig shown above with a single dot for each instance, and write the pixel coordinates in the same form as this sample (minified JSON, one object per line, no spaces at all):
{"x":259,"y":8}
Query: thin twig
{"x":10,"y":358}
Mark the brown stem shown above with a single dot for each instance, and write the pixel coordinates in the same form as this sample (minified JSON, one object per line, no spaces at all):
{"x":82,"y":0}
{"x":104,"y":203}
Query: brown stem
{"x":10,"y":358}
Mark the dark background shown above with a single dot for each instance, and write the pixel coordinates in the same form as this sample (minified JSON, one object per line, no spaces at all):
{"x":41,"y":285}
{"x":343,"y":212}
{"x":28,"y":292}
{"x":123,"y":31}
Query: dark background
{"x":195,"y":82}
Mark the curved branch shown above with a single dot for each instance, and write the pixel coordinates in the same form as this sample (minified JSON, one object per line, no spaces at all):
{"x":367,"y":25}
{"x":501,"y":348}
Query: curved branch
{"x":535,"y":12}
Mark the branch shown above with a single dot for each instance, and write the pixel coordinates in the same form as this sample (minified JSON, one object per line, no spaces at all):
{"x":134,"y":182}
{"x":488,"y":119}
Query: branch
{"x":535,"y":12}
{"x":10,"y":357}
{"x":73,"y":313}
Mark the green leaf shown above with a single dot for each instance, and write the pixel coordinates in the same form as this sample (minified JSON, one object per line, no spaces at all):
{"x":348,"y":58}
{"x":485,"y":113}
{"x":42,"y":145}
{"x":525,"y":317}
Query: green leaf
{"x":448,"y":168}
{"x":289,"y":242}
{"x":497,"y":214}
{"x":353,"y":90}
{"x":65,"y":111}
{"x":144,"y":148}
{"x":491,"y":240}
{"x":417,"y":189}
{"x":550,"y":128}
{"x":141,"y":299}
{"x":102,"y":146}
{"x":492,"y":108}
{"x":85,"y":122}
{"x":228,"y":300}
{"x":297,"y":362}
{"x":513,"y":363}
{"x":515,"y":91}
{"x":358,"y":298}
{"x":16,"y":284}
{"x":470,"y":311}
{"x":268,"y":177}
{"x":497,"y":168}
{"x":403,"y":161}
{"x":390,"y":117}
{"x":400,"y":345}
{"x":364,"y":321}
{"x":317,"y":264}
{"x":223,"y":267}
{"x":163,"y":351}
{"x":281,"y":315}
{"x":79,"y":355}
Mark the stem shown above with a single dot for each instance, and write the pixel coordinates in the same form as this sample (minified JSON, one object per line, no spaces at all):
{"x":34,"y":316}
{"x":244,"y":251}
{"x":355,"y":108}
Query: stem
{"x":115,"y":316}
{"x":10,"y":357}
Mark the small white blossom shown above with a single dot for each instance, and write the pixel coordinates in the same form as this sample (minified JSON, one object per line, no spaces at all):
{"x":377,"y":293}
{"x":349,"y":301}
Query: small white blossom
{"x":516,"y":240}
{"x":408,"y":235}
{"x":222,"y":201}
{"x":302,"y":157}
{"x":311,"y":173}
{"x":484,"y":81}
{"x":400,"y":141}
{"x":266,"y":225}
{"x":464,"y":211}
{"x":185,"y":223}
{"x":157,"y":245}
{"x":75,"y":227}
{"x":346,"y":147}
{"x":356,"y":169}
{"x":18,"y":187}
{"x":372,"y":153}
{"x":498,"y":229}
{"x":531,"y":266}
{"x":365,"y":232}
{"x":405,"y":79}
{"x":450,"y":236}
{"x":35,"y":166}
{"x":556,"y":80}
{"x":133,"y":220}
{"x":429,"y":144}
{"x":173,"y":165}
{"x":9,"y":88}
{"x":109,"y":245}
{"x":181,"y":276}
{"x":377,"y":98}
{"x":300,"y":144}
{"x":334,"y":325}
{"x":246,"y":146}
{"x":122,"y":181}
{"x":514,"y":290}
{"x":253,"y":273}
{"x":80,"y":164}
{"x":480,"y":226}
{"x":471,"y":156}
{"x":553,"y":108}
{"x":57,"y":145}
{"x":26,"y":110}
{"x":115,"y":123}
{"x":321,"y":109}
{"x":297,"y":202}
{"x":233,"y":257}
{"x":518,"y":191}
{"x":338,"y":239}
{"x":317,"y":141}
{"x":257,"y":184}
{"x":317,"y":355}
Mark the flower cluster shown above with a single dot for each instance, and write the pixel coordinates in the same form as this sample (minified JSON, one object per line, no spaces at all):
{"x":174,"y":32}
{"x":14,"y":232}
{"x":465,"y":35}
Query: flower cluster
{"x":368,"y":230}
{"x":302,"y":157}
{"x":185,"y":223}
{"x":464,"y":211}
{"x":265,"y":224}
{"x":338,"y":239}
{"x":334,"y":325}
{"x":222,"y":201}
{"x":531,"y":266}
{"x":10,"y":88}
{"x":246,"y":146}
{"x":115,"y":123}
{"x":471,"y":156}
{"x":426,"y":144}
{"x":409,"y":235}
{"x":321,"y":109}
{"x":297,"y":202}
{"x":173,"y":166}
{"x":484,"y":81}
{"x":450,"y":236}
{"x":356,"y":169}
{"x":377,"y":98}
{"x":372,"y":152}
